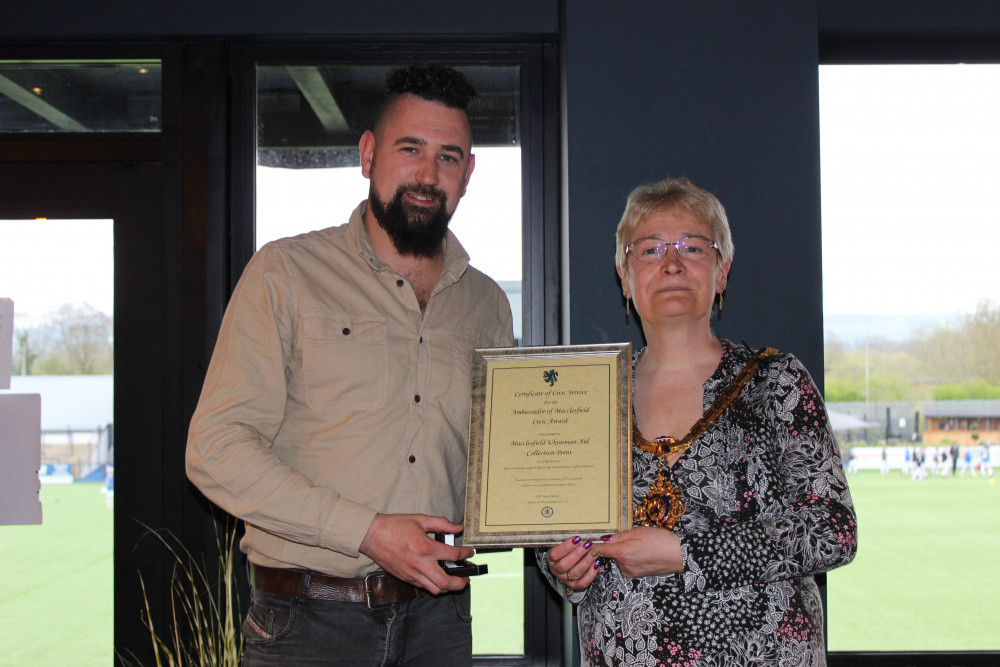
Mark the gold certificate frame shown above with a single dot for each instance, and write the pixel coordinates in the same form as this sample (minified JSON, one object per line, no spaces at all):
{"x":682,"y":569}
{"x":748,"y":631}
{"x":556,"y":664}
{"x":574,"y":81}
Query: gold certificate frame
{"x":549,"y":452}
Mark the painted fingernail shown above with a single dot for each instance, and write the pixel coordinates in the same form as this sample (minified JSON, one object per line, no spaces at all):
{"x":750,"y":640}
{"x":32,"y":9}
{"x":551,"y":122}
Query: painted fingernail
{"x":588,"y":544}
{"x":597,"y":564}
{"x":576,"y":540}
{"x":606,"y":538}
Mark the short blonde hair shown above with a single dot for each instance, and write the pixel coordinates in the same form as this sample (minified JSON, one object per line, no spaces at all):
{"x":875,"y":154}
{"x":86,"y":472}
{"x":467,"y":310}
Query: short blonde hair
{"x":673,"y":194}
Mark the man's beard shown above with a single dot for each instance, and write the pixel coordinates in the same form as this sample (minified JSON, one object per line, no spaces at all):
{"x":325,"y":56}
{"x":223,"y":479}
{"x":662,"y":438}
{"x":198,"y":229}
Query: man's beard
{"x":414,"y":231}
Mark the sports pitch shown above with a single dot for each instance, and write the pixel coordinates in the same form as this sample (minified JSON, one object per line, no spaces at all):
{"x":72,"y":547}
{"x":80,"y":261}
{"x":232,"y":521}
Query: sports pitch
{"x":927,"y":573}
{"x":926,"y":578}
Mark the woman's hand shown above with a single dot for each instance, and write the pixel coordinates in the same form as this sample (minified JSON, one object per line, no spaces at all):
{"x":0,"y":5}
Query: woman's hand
{"x":574,"y":563}
{"x":644,"y":551}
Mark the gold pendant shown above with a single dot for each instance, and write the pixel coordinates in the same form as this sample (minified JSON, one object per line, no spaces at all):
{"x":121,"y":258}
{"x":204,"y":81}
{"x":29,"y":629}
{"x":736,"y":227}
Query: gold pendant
{"x":661,"y":506}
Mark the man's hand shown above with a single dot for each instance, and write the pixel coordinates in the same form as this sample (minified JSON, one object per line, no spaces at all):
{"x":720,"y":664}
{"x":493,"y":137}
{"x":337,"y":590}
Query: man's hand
{"x":399,"y":544}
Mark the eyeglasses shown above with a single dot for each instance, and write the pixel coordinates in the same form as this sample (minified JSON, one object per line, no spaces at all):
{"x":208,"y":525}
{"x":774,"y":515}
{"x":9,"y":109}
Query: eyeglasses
{"x":694,"y":248}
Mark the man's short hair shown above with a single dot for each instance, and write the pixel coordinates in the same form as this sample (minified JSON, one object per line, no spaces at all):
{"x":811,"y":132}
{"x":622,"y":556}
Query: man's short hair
{"x":433,"y":82}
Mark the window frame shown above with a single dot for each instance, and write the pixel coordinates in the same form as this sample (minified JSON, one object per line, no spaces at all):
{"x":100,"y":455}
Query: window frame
{"x":544,"y":625}
{"x":839,"y":48}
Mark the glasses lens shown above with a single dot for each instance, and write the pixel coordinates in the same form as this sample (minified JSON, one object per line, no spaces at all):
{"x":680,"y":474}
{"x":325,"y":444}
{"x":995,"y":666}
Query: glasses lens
{"x":694,"y":247}
{"x":688,"y":248}
{"x":649,"y":250}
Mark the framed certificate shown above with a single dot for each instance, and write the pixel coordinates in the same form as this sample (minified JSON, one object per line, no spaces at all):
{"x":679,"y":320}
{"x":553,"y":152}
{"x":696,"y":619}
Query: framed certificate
{"x":549,"y":452}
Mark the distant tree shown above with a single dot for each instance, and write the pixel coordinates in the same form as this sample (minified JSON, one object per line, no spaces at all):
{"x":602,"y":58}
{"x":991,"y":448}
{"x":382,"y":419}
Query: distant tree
{"x":890,"y":387}
{"x":978,"y":389}
{"x":970,"y":350}
{"x":885,"y":371}
{"x":834,"y":349}
{"x":843,"y":390}
{"x":982,"y":332}
{"x":31,"y":344}
{"x":960,"y":361}
{"x":878,"y":343}
{"x":80,"y":342}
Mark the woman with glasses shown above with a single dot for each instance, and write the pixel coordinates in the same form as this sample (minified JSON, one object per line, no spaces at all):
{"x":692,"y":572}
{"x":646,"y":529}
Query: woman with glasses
{"x":739,"y":495}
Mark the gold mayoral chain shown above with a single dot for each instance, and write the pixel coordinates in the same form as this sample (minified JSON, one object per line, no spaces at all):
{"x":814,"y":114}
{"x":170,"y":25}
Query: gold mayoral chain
{"x":662,"y":505}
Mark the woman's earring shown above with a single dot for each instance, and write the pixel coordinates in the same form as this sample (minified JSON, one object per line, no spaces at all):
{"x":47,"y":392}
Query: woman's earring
{"x":626,"y":304}
{"x":720,"y":303}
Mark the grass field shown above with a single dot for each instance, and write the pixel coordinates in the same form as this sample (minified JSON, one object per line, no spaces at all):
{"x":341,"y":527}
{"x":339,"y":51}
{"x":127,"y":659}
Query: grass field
{"x":927,"y":573}
{"x":56,"y":583}
{"x":56,"y":590}
{"x":926,"y":578}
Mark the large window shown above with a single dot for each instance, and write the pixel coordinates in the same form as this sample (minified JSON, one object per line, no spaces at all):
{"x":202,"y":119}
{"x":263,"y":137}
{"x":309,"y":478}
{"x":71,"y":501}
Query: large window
{"x":308,"y":170}
{"x":311,"y":110}
{"x":59,"y":273}
{"x":309,"y":177}
{"x":910,"y":163}
{"x":171,"y":155}
{"x":57,"y":263}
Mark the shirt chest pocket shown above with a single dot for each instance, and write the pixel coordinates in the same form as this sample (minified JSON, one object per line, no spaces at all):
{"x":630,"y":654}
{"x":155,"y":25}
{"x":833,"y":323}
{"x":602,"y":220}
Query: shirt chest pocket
{"x":461,"y":347}
{"x":345,"y":362}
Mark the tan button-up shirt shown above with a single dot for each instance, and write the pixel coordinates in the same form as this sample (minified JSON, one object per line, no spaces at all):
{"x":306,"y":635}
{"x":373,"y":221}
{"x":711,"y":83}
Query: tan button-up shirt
{"x":331,"y":396}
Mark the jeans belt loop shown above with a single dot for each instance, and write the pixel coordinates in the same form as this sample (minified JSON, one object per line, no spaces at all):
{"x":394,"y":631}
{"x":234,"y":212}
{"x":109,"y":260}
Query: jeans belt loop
{"x":306,"y":578}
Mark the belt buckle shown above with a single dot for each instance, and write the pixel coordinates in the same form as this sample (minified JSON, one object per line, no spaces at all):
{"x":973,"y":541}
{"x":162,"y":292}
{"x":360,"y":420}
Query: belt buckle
{"x":368,"y":591}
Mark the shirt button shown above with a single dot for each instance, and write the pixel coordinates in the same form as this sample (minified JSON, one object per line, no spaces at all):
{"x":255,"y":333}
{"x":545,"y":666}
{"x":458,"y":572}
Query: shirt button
{"x":346,"y":331}
{"x":412,"y":459}
{"x":399,"y":283}
{"x":417,"y":398}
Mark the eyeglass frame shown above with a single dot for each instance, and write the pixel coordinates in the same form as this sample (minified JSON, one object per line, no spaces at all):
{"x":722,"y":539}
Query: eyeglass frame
{"x":676,"y":244}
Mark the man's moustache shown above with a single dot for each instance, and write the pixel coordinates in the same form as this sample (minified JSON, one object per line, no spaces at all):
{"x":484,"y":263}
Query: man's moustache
{"x":423,"y":191}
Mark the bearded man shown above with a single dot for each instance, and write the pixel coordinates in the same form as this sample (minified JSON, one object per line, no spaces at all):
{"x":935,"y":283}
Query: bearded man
{"x":334,"y":416}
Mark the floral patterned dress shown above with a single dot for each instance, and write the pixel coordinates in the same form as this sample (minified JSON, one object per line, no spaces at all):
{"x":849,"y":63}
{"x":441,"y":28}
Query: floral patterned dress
{"x":767,"y":506}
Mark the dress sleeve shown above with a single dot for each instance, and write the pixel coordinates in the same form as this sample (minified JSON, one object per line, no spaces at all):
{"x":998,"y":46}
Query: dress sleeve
{"x":242,"y":406}
{"x":804,"y":522}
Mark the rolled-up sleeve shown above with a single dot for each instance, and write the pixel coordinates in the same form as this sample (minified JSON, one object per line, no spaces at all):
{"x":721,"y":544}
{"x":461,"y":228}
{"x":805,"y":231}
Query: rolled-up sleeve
{"x":242,"y":408}
{"x":332,"y":396}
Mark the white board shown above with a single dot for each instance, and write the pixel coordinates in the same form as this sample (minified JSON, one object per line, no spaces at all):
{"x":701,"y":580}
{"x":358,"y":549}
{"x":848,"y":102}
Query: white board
{"x":20,"y":458}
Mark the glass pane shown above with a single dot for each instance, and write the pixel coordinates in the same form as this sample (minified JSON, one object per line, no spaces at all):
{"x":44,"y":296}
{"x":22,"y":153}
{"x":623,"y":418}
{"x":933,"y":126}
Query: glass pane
{"x":910,"y":163}
{"x":498,"y":604}
{"x":487,"y":221}
{"x":313,"y":115}
{"x":60,"y":276}
{"x":309,"y":121}
{"x":80,"y":96}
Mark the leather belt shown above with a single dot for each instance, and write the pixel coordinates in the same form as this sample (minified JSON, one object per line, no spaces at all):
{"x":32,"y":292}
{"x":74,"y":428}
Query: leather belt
{"x":377,"y":590}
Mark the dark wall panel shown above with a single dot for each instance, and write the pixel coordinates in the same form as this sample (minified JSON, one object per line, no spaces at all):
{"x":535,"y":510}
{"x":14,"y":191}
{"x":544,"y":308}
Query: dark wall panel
{"x":66,"y":18}
{"x":725,"y":93}
{"x":899,"y":18}
{"x":909,"y":31}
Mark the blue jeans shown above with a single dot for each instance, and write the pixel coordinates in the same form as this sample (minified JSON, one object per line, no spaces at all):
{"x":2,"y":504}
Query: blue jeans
{"x":287,"y":631}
